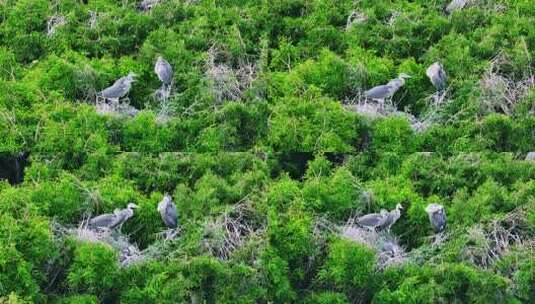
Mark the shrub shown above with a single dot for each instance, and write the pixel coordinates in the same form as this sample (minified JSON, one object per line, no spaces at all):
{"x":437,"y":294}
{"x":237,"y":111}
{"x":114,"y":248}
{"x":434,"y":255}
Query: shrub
{"x":349,"y":268}
{"x":94,"y":270}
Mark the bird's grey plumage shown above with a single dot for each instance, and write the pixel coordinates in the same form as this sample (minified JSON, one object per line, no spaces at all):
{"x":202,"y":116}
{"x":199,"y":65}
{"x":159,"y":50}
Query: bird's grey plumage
{"x":119,"y":88}
{"x":390,"y":247}
{"x":379,"y":92}
{"x":113,"y":220}
{"x":456,"y":5}
{"x":393,"y":216}
{"x":373,"y":220}
{"x":437,"y":76}
{"x":382,"y":92}
{"x":530,"y":156}
{"x":163,"y":69}
{"x":146,"y":5}
{"x":437,"y":217}
{"x":168,"y":211}
{"x":379,"y":221}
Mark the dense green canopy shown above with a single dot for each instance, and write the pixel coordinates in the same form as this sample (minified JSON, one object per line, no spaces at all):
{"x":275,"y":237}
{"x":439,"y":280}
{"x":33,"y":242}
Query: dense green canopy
{"x":268,"y":150}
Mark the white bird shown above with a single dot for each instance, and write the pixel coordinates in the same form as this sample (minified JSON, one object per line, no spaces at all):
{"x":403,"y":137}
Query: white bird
{"x":382,"y":92}
{"x":530,"y":156}
{"x":168,"y":212}
{"x":437,"y":76}
{"x":113,"y":220}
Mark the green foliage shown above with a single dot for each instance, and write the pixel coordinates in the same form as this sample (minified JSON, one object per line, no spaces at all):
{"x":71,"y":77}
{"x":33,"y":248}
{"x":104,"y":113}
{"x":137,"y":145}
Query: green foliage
{"x":93,"y":271}
{"x":448,"y":282}
{"x":311,"y":124}
{"x":278,"y":169}
{"x":349,"y":268}
{"x":335,"y":194}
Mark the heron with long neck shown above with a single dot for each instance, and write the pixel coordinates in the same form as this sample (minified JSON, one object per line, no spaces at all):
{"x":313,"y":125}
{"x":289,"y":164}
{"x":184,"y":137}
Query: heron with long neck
{"x":386,"y":91}
{"x":380,"y":221}
{"x":113,"y":220}
{"x":119,"y":88}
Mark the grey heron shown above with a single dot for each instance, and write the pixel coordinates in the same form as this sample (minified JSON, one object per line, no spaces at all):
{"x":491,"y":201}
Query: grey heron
{"x":113,"y":220}
{"x":168,"y":212}
{"x":119,"y":88}
{"x":456,"y":5}
{"x":393,"y":216}
{"x":163,"y":69}
{"x":437,"y":217}
{"x":146,"y":5}
{"x":373,"y":221}
{"x":530,"y":156}
{"x":379,"y":221}
{"x":386,"y":91}
{"x":437,"y":76}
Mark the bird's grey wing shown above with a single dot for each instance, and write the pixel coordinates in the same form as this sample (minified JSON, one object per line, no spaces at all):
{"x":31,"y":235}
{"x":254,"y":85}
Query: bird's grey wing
{"x":378,"y":91}
{"x":439,"y":220}
{"x":104,"y":220}
{"x":373,"y":219}
{"x":108,"y":92}
{"x":116,"y":90}
{"x":171,"y":215}
{"x":443,"y":78}
{"x":455,"y":5}
{"x":119,"y":219}
{"x":164,"y":71}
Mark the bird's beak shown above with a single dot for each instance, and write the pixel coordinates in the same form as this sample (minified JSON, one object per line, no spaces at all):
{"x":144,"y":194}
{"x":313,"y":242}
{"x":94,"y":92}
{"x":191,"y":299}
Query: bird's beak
{"x":135,"y":206}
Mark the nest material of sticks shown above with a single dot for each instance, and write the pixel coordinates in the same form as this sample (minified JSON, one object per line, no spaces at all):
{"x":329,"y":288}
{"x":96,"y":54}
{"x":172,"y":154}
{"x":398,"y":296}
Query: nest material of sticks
{"x":374,"y":111}
{"x":231,"y":230}
{"x":386,"y":245}
{"x":487,"y":244}
{"x":115,"y":108}
{"x":128,"y":253}
{"x":229,"y":83}
{"x":501,"y":92}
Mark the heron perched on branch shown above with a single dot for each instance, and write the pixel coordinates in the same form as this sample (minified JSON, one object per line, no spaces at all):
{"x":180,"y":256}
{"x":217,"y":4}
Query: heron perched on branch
{"x":386,"y":91}
{"x":163,"y":69}
{"x":113,"y":220}
{"x":379,"y":221}
{"x":437,"y":76}
{"x":437,"y":217}
{"x":119,"y":88}
{"x":168,"y":212}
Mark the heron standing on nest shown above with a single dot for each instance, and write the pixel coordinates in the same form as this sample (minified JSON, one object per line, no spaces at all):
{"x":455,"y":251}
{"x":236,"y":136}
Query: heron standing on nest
{"x":164,"y":71}
{"x":386,"y":91}
{"x":437,"y":217}
{"x":113,"y":220}
{"x":118,"y":89}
